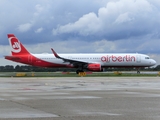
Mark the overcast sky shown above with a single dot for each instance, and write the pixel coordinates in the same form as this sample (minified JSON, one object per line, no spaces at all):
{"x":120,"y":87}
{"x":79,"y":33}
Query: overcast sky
{"x":82,"y":26}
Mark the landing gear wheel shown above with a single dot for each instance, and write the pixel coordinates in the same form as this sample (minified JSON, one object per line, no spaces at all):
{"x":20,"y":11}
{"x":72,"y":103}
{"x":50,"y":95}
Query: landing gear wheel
{"x":78,"y":71}
{"x":138,"y":72}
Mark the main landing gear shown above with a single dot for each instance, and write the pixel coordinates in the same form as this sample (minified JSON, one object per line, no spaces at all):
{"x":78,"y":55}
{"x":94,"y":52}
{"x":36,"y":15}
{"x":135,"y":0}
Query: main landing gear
{"x":81,"y":73}
{"x":78,"y":71}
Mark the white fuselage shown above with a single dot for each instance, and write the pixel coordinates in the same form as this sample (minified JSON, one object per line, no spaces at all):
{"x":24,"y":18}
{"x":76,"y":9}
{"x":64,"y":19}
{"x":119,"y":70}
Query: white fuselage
{"x":105,"y":59}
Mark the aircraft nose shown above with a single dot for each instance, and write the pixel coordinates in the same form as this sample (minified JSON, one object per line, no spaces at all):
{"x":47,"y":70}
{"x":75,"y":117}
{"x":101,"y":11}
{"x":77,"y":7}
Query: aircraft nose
{"x":153,"y":62}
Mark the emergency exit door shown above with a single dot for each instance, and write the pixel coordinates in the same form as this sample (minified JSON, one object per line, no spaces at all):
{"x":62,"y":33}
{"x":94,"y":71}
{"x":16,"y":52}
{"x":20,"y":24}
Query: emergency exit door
{"x":138,"y":58}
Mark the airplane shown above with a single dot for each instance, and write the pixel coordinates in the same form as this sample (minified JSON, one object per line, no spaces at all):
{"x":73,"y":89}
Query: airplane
{"x":92,"y":62}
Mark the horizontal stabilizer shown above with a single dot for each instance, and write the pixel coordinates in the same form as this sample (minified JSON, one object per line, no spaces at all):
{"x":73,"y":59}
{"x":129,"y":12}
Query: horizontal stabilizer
{"x":14,"y":58}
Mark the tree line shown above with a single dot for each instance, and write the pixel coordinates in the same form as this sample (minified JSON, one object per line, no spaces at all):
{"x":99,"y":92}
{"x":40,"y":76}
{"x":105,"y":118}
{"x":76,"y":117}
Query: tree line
{"x":26,"y":68}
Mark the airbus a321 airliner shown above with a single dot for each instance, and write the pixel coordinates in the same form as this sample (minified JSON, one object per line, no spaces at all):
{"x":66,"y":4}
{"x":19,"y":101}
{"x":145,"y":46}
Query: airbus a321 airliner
{"x":91,"y":62}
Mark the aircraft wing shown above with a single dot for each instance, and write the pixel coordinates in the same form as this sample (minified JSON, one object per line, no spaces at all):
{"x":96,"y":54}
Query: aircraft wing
{"x":74,"y":62}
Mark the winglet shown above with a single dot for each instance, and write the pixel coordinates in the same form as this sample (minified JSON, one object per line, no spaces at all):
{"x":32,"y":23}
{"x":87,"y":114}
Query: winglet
{"x":55,"y":54}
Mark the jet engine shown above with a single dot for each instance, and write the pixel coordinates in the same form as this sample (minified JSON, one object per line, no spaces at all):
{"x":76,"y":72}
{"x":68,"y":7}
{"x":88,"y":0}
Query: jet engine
{"x":94,"y":67}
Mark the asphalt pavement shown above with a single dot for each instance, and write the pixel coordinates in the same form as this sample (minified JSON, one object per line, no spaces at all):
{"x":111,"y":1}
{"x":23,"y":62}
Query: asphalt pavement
{"x":80,"y":98}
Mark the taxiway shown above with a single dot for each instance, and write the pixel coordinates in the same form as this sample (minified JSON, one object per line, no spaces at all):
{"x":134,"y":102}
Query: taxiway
{"x":77,"y":98}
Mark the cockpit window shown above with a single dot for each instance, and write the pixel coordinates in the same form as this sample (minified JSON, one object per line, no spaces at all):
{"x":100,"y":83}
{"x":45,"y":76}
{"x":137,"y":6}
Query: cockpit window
{"x":146,"y":57}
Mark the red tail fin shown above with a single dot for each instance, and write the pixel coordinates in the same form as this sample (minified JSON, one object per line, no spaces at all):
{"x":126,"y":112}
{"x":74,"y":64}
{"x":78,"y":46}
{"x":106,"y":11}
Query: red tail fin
{"x":16,"y":47}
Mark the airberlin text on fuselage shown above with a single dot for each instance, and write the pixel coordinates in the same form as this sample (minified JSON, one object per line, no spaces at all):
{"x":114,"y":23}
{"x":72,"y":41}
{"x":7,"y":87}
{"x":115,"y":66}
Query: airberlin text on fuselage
{"x":126,"y":58}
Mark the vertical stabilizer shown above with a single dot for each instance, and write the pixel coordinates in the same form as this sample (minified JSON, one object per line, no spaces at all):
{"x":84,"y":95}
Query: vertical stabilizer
{"x":16,"y":46}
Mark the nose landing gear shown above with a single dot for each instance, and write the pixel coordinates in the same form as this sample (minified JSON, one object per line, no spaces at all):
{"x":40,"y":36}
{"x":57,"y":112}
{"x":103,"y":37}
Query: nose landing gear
{"x":138,"y":70}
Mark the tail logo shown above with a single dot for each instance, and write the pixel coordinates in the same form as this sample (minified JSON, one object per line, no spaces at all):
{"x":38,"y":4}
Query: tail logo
{"x":15,"y":45}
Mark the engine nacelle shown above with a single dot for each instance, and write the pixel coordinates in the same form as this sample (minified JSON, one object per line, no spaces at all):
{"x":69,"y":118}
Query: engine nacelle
{"x":94,"y":67}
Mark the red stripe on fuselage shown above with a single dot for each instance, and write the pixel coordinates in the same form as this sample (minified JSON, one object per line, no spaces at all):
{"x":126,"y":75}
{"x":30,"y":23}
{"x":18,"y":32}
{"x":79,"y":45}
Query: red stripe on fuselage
{"x":34,"y":61}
